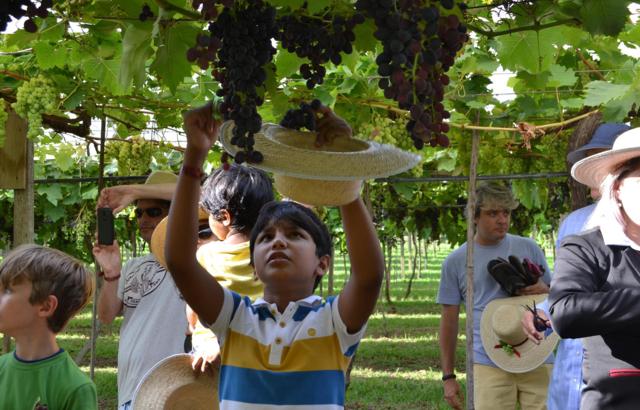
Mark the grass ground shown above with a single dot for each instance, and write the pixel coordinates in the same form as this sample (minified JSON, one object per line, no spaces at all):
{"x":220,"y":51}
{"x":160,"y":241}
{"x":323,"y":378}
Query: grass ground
{"x":397,"y":365}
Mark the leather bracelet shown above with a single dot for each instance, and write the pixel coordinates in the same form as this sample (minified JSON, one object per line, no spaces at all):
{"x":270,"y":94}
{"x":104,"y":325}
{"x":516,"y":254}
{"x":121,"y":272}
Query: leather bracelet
{"x":113,"y":279}
{"x":193,"y":172}
{"x":448,"y":377}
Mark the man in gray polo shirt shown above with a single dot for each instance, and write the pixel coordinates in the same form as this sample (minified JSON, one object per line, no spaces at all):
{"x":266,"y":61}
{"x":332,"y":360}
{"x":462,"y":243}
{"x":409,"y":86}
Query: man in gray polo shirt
{"x":494,"y":388}
{"x":142,"y":291}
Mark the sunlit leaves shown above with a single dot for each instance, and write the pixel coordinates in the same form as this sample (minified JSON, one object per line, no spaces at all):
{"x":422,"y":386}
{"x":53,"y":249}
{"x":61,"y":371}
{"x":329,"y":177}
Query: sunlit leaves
{"x":601,"y":92}
{"x":530,"y":50}
{"x":136,"y":48}
{"x":604,"y":16}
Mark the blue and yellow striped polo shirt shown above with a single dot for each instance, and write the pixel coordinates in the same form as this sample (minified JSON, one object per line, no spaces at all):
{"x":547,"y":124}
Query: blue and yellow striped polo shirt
{"x":291,"y":360}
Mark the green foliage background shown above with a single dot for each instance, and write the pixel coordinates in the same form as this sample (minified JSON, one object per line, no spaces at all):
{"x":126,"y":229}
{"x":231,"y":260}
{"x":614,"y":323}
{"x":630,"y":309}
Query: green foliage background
{"x":565,"y":56}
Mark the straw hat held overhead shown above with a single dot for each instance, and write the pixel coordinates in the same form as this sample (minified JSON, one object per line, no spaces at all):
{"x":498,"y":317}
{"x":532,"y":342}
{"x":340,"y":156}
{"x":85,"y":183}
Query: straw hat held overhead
{"x":503,"y":337}
{"x":330,"y":175}
{"x":592,"y":170}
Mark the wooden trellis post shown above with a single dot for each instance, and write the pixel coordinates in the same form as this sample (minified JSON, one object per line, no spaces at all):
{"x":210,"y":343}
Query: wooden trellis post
{"x":16,"y":172}
{"x":471,"y":205}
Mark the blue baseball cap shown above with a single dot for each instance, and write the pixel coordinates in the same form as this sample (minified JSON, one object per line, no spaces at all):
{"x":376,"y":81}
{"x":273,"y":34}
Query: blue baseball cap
{"x":603,"y":138}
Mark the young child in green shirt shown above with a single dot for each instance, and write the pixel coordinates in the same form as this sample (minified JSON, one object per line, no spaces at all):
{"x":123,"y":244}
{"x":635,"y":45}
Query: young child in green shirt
{"x":40,"y":290}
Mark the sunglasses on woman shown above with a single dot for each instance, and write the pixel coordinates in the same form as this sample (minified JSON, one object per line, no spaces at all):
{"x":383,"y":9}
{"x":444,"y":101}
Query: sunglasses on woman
{"x":204,"y":232}
{"x":153,"y":212}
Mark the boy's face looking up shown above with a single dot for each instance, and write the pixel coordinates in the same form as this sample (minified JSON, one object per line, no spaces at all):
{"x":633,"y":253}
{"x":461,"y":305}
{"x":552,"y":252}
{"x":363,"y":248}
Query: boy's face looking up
{"x":17,"y":314}
{"x":284,"y":256}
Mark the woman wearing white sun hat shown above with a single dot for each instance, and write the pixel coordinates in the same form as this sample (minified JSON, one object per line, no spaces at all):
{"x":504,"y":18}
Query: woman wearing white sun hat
{"x":596,"y":288}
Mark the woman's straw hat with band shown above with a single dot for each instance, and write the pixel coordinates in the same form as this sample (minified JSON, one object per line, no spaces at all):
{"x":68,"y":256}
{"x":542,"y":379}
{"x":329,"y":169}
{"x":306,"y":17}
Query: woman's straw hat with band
{"x":173,"y":385}
{"x":592,"y":170}
{"x":505,"y":341}
{"x":330,"y":175}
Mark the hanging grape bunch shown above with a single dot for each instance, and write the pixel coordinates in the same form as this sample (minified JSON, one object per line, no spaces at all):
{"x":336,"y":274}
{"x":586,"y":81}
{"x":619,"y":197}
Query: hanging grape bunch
{"x":146,"y":13}
{"x":319,"y":39}
{"x":21,"y":8}
{"x":34,"y":98}
{"x":420,"y":40}
{"x":302,"y":117}
{"x":241,"y":35}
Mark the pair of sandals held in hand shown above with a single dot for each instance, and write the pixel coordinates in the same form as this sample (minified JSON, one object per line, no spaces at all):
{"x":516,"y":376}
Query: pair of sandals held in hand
{"x":514,"y":274}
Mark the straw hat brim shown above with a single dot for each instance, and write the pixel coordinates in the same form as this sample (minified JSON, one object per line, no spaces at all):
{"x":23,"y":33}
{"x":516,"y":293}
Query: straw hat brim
{"x":592,"y":171}
{"x":293,"y":153}
{"x":532,"y":356}
{"x":159,"y":237}
{"x":173,"y":385}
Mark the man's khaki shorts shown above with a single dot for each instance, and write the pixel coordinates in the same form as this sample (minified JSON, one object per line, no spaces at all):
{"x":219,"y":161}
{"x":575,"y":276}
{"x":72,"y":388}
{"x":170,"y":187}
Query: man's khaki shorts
{"x":496,"y":389}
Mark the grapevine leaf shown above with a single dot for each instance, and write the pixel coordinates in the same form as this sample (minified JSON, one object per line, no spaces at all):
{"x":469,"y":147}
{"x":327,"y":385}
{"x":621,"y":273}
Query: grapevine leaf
{"x":365,"y":41}
{"x":47,"y":57}
{"x":74,"y":99}
{"x":347,"y":85}
{"x":405,"y":189}
{"x":279,"y":101}
{"x":54,"y":213}
{"x":317,"y":6}
{"x":604,"y":16}
{"x":136,"y":48}
{"x":287,"y":63}
{"x":104,"y":72}
{"x":90,"y":194}
{"x":291,"y":4}
{"x":171,"y":63}
{"x":601,"y":92}
{"x":64,"y":158}
{"x":51,"y":191}
{"x":51,"y":30}
{"x":561,"y":76}
{"x":532,"y":51}
{"x":616,"y":110}
{"x":572,"y":103}
{"x":327,"y":97}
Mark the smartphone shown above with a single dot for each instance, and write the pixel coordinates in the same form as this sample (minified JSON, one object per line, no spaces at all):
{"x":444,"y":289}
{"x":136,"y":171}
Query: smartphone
{"x":106,"y":230}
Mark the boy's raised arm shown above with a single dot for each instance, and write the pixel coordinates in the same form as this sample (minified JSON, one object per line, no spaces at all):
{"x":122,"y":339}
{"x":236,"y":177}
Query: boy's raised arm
{"x":359,"y":296}
{"x":201,"y":291}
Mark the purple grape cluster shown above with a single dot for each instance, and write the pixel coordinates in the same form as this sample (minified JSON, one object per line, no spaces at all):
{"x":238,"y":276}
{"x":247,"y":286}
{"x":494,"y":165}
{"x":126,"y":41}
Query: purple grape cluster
{"x":146,"y":13}
{"x":302,"y":117}
{"x":20,"y":8}
{"x":244,"y":32}
{"x":420,"y":43}
{"x":319,"y":39}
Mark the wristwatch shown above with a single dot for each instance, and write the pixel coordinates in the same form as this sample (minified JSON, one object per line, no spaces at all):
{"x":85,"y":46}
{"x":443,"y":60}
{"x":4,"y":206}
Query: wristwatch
{"x":446,"y":377}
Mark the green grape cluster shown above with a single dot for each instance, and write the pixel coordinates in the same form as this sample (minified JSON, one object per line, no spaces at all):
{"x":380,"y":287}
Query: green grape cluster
{"x":3,"y":123}
{"x":385,"y":130}
{"x":34,"y":98}
{"x":134,"y":155}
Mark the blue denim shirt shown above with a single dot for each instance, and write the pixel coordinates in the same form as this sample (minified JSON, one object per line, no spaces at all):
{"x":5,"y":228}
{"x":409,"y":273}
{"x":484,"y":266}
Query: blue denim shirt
{"x":566,"y":383}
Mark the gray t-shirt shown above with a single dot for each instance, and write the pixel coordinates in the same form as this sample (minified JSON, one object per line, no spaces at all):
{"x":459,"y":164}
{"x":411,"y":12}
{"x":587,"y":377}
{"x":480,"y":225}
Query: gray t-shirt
{"x":453,"y":280}
{"x":154,"y":322}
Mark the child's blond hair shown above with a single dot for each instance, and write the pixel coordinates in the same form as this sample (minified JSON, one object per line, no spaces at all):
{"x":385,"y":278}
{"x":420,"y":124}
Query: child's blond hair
{"x":51,"y":272}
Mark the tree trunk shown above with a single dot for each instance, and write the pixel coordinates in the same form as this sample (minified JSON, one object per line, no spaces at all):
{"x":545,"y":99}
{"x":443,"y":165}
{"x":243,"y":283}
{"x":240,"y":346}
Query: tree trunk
{"x":402,"y":257}
{"x":414,"y":265}
{"x":581,"y":135}
{"x":387,"y":281}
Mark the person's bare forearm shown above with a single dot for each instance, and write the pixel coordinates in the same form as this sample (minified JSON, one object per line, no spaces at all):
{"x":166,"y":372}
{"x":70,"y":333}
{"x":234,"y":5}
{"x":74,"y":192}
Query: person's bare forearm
{"x":448,"y":337}
{"x":200,"y":290}
{"x":367,"y":265}
{"x":109,"y":304}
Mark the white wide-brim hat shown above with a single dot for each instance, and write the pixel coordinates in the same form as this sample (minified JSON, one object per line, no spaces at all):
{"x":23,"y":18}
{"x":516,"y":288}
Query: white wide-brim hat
{"x":173,"y":385}
{"x":501,"y":324}
{"x":592,"y":170}
{"x":329,"y":175}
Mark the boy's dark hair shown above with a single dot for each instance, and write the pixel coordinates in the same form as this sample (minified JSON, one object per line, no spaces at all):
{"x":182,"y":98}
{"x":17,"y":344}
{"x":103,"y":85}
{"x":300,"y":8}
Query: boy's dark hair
{"x":241,"y":190}
{"x":51,"y":272}
{"x":297,"y":215}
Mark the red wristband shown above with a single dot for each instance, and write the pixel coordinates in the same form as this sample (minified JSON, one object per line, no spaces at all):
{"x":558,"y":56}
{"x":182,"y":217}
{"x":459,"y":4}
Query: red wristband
{"x":113,"y":279}
{"x":193,"y":172}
